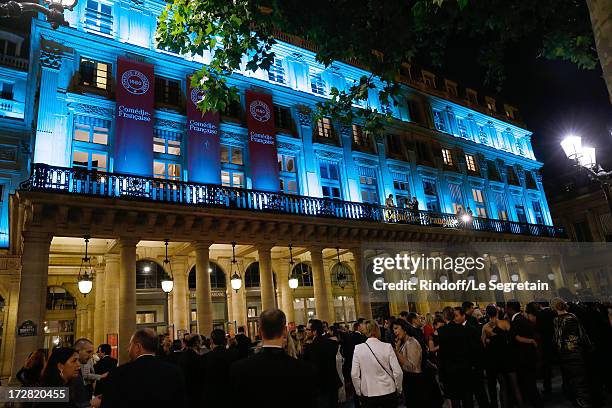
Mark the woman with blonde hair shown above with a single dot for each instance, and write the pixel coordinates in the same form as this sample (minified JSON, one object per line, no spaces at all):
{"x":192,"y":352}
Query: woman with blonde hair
{"x":376,"y":372}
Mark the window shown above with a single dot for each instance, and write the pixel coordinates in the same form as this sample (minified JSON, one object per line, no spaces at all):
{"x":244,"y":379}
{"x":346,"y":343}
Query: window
{"x":325,"y":129}
{"x":276,"y":73}
{"x":510,"y":112}
{"x":490,"y":104}
{"x":287,"y":174}
{"x":317,"y":85}
{"x":530,"y":180}
{"x":98,"y":16}
{"x":447,"y":156}
{"x":394,"y":145}
{"x":431,"y":196}
{"x":232,"y":178}
{"x":482,"y":135}
{"x":423,"y":152}
{"x":167,"y":142}
{"x":470,"y":161}
{"x":282,"y":118}
{"x":233,"y":110}
{"x":304,"y":274}
{"x":402,"y":189}
{"x":251,"y":277}
{"x":167,"y":91}
{"x":472,"y":96}
{"x":481,"y":209}
{"x":537,"y":212}
{"x":582,"y":232}
{"x":166,"y":170}
{"x":456,"y":197}
{"x":7,"y":91}
{"x":360,"y":138}
{"x":462,"y":128}
{"x":231,"y":155}
{"x":512,"y":177}
{"x":439,"y":121}
{"x":493,"y":171}
{"x":91,"y":130}
{"x":500,"y":202}
{"x":94,"y":73}
{"x":429,"y":79}
{"x":368,"y":185}
{"x":330,"y":179}
{"x":520,"y":213}
{"x":451,"y":88}
{"x":90,"y":160}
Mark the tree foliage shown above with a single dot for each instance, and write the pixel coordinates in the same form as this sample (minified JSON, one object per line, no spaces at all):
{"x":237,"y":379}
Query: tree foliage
{"x":380,"y":35}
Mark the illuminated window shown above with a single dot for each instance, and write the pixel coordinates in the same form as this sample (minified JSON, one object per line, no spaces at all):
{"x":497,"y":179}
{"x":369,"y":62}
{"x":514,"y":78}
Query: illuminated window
{"x":470,"y":162}
{"x":167,"y":142}
{"x":276,"y":73}
{"x":481,"y":209}
{"x":231,"y":155}
{"x":402,"y":189}
{"x":447,"y":156}
{"x":490,"y":104}
{"x":167,"y":91}
{"x":361,"y":138}
{"x":91,"y":130}
{"x":91,"y":160}
{"x":287,"y":174}
{"x":232,"y":178}
{"x":94,"y":73}
{"x":98,"y":16}
{"x":368,"y":185}
{"x":330,"y":179}
{"x":456,"y":197}
{"x":317,"y":85}
{"x":325,"y":129}
{"x":166,"y":170}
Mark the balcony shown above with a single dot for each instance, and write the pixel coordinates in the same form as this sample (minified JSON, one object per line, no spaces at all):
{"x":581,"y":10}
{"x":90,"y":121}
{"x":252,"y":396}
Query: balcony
{"x":76,"y":181}
{"x":11,"y":109}
{"x":14,"y":62}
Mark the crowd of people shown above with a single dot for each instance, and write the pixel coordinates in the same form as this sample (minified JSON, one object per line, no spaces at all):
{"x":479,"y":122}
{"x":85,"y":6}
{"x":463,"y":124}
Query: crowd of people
{"x":459,"y":357}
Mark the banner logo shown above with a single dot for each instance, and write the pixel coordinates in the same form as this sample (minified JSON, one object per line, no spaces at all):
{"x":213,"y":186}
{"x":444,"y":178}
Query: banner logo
{"x":135,"y":82}
{"x":260,"y":111}
{"x":196,"y":96}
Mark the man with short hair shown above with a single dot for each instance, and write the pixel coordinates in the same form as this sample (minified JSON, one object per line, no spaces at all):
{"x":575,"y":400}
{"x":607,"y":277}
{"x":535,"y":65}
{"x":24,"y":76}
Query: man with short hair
{"x":146,"y":381}
{"x":103,"y":367}
{"x":271,"y":378}
{"x":468,"y":307}
{"x":243,"y":343}
{"x":83,"y":386}
{"x":215,"y":370}
{"x":189,"y":363}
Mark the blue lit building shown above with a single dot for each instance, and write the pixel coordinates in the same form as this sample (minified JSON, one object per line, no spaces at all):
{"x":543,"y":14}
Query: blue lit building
{"x":449,"y":147}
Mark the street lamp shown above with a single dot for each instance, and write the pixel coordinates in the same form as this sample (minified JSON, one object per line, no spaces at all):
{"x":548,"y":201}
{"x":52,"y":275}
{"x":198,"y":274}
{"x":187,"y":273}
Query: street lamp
{"x":236,"y":279}
{"x":54,"y":10}
{"x":583,"y":157}
{"x":167,"y":283}
{"x":85,"y":278}
{"x":293,"y":279}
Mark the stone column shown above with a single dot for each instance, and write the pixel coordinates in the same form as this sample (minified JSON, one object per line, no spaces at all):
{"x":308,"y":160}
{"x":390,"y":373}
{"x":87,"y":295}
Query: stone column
{"x":203,"y":293}
{"x":127,"y":295}
{"x":10,"y":320}
{"x":283,"y":272}
{"x":99,"y":313}
{"x":91,"y":320}
{"x":111,"y":295}
{"x":321,"y":292}
{"x":180,"y":296}
{"x":32,"y":295}
{"x":362,"y":290}
{"x":266,"y":281}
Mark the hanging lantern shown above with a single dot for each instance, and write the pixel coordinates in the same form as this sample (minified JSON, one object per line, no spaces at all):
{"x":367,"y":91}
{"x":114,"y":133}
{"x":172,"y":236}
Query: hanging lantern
{"x":236,"y":279}
{"x":167,"y":283}
{"x":86,"y":271}
{"x":293,"y":279}
{"x":340,"y":271}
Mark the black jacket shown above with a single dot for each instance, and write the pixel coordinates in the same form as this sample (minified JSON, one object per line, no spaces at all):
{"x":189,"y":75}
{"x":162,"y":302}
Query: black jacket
{"x":215,"y":386}
{"x":243,"y":345}
{"x":272,"y":379}
{"x":189,"y":363}
{"x":107,"y":364}
{"x":147,"y":381}
{"x":454,"y":357}
{"x":321,"y":353}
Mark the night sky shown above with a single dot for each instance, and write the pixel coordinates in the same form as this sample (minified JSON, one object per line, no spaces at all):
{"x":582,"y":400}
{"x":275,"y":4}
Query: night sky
{"x":554,"y":98}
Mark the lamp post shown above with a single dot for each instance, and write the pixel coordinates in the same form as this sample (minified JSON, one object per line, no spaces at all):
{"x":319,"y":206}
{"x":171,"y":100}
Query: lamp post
{"x":167,"y":284}
{"x":583,"y":157}
{"x":236,"y":278}
{"x":293,"y":279}
{"x":85,"y":278}
{"x":54,"y":10}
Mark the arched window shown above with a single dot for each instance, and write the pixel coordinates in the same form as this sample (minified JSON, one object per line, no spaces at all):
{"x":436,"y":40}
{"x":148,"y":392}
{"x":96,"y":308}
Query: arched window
{"x":341,"y":268}
{"x":304,"y":274}
{"x":59,"y":298}
{"x":149,"y":275}
{"x":217,"y":277}
{"x":251,"y":276}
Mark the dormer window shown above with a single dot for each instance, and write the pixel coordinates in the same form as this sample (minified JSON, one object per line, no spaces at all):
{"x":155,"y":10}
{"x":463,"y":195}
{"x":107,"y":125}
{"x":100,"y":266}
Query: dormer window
{"x":451,"y":88}
{"x":490,"y":104}
{"x":405,"y":74}
{"x":510,"y":112}
{"x":276,"y":73}
{"x":472,"y":96}
{"x":317,"y":85}
{"x":98,"y":16}
{"x":429,"y":79}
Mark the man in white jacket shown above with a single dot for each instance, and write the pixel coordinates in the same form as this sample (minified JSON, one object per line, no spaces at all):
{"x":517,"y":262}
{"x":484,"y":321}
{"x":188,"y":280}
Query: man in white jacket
{"x":376,"y":372}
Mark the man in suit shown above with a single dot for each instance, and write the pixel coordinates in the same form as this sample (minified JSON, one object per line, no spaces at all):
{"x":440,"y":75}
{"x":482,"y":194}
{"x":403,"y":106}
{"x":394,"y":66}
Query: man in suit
{"x":243,"y":343}
{"x":525,"y":351}
{"x":215,"y":369}
{"x":189,"y":363}
{"x":106,"y":364}
{"x":147,"y":380}
{"x":321,"y":353}
{"x":469,"y":314}
{"x":271,"y":378}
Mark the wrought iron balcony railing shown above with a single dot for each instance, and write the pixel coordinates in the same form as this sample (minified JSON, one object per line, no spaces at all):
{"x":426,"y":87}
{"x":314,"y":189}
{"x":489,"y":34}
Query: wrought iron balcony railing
{"x":80,"y":181}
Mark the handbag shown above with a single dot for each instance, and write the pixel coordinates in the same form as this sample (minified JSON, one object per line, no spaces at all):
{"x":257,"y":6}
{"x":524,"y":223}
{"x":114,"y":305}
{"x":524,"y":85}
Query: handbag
{"x":382,"y":366}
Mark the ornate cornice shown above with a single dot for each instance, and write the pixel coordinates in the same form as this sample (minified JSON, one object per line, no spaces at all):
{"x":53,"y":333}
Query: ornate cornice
{"x":365,"y":162}
{"x":345,"y":131}
{"x":304,"y":118}
{"x":170,"y":124}
{"x":232,"y":138}
{"x":91,"y":109}
{"x":328,"y":154}
{"x":287,"y":146}
{"x":395,"y":167}
{"x":51,"y":56}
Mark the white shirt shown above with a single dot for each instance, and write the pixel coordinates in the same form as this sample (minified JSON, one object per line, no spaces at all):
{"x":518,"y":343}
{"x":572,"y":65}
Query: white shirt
{"x":514,"y":315}
{"x":369,"y":378}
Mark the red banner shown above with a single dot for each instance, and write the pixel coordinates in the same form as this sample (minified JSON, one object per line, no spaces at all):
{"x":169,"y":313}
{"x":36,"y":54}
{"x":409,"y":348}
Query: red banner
{"x":134,"y":118}
{"x":203,"y":146}
{"x":262,"y":141}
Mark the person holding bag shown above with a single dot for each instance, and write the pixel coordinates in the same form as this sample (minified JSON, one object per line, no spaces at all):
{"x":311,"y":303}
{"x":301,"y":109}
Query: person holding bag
{"x":376,"y":372}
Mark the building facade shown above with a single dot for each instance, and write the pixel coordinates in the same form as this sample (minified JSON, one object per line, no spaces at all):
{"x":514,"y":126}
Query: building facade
{"x":317,"y":187}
